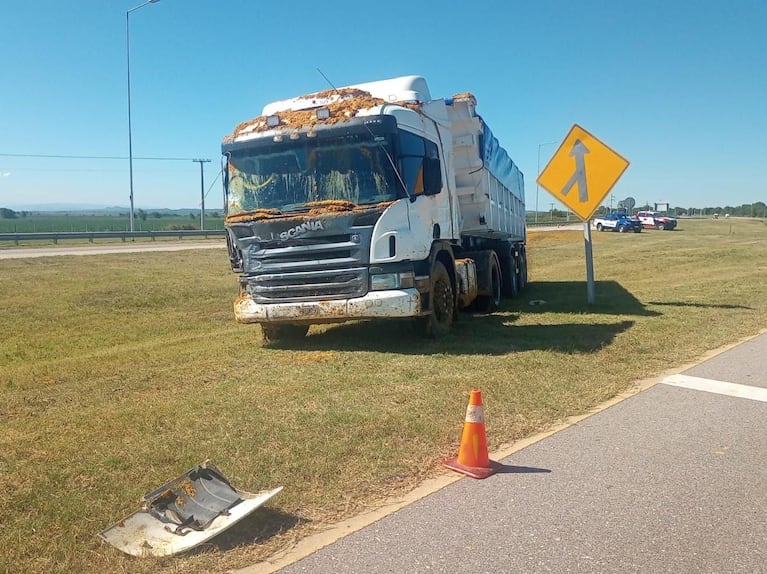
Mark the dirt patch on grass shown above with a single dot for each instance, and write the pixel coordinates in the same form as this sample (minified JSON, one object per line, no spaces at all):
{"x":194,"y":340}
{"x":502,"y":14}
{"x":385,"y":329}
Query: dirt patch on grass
{"x":544,"y":237}
{"x":310,"y":357}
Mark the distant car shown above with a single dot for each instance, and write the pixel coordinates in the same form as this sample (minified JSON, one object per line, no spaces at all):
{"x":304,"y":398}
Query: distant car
{"x":617,"y":222}
{"x":654,"y":220}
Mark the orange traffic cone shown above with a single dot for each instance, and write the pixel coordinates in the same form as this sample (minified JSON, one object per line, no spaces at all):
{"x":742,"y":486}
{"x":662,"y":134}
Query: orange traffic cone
{"x":472,"y":459}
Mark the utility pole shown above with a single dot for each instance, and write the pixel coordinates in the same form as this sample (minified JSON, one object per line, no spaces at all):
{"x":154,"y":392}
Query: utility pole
{"x":202,"y":192}
{"x":538,"y":187}
{"x":130,"y":136}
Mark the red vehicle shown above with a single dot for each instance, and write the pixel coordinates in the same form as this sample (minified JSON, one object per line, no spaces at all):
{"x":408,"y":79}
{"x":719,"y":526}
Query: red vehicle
{"x":654,"y":220}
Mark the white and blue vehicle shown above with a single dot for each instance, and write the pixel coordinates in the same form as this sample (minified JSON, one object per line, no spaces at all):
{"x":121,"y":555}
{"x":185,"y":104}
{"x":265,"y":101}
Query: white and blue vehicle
{"x":617,"y":222}
{"x":371,"y":201}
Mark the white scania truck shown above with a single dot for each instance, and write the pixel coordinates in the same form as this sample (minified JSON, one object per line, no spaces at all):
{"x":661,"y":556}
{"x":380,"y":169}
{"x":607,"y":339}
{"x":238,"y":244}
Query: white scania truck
{"x":368,"y":202}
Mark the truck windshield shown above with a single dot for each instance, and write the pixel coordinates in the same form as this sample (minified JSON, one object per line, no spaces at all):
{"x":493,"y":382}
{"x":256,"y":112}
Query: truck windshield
{"x":286,"y":175}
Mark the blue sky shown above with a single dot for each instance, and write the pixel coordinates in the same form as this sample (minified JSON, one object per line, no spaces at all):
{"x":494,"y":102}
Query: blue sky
{"x":678,"y":88}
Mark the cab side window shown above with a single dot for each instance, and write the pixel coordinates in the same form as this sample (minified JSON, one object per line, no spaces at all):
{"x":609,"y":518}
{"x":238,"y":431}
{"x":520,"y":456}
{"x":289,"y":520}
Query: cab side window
{"x":419,"y":164}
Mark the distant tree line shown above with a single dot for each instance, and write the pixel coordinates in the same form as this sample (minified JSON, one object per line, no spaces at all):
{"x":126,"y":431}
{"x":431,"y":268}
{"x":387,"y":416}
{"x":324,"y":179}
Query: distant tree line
{"x":6,"y":213}
{"x":757,"y":209}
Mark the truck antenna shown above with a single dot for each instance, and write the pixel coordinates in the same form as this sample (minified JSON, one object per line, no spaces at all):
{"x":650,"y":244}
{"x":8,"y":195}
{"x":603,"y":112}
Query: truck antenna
{"x":388,"y":155}
{"x":327,"y":80}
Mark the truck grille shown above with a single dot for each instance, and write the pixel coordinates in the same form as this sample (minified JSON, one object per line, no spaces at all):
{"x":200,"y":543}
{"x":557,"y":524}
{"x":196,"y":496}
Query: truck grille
{"x":307,"y":269}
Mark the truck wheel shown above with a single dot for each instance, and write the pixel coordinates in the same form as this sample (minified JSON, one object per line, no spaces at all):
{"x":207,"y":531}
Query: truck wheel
{"x":510,"y":284}
{"x":492,"y":302}
{"x":599,"y":227}
{"x":283,"y":333}
{"x":522,"y":283}
{"x":661,"y":227}
{"x":442,"y":302}
{"x":623,"y":229}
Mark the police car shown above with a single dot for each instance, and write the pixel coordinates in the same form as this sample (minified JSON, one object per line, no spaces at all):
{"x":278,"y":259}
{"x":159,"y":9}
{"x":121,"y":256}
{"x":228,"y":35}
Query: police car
{"x":617,"y":222}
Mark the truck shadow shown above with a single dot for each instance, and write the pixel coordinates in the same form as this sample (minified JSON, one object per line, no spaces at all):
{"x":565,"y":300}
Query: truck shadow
{"x":496,"y":333}
{"x":492,"y":334}
{"x":571,"y":297}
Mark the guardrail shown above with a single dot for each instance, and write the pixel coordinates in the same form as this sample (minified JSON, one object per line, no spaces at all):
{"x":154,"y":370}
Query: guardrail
{"x":91,"y":236}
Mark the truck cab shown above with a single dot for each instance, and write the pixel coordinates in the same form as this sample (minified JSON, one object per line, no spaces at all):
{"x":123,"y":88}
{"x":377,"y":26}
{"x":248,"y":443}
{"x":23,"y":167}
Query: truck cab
{"x":343,"y":205}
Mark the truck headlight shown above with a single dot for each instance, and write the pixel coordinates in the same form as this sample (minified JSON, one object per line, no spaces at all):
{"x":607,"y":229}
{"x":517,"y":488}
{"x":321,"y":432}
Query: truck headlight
{"x":384,"y":281}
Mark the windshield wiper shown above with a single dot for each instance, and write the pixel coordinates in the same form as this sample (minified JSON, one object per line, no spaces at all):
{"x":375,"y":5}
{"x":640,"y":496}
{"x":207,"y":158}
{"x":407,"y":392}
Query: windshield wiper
{"x":380,"y":144}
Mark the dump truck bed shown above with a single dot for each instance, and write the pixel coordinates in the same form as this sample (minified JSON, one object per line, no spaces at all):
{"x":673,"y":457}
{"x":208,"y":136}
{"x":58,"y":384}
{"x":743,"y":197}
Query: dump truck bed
{"x":489,"y":185}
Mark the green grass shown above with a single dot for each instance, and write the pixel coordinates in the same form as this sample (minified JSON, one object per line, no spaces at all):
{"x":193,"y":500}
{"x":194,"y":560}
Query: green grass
{"x":119,"y":372}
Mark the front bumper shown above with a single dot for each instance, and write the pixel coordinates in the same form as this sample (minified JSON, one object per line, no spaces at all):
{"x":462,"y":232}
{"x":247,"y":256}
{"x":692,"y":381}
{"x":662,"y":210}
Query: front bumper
{"x":374,"y":305}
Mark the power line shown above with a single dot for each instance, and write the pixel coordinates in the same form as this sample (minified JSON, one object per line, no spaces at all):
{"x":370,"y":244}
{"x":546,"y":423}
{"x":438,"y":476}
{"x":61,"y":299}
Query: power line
{"x":55,"y":156}
{"x":60,"y":170}
{"x":220,"y":171}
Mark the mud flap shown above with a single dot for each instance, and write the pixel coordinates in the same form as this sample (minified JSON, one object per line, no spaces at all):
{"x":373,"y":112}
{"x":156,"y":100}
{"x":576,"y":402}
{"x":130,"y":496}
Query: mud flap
{"x":184,"y":513}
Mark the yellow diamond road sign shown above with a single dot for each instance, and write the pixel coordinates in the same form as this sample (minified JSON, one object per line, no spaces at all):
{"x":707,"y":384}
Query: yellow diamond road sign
{"x":582,"y":172}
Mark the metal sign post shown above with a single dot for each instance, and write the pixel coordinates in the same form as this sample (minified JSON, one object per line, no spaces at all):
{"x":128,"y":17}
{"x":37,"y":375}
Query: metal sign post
{"x":584,"y":162}
{"x":590,"y":289}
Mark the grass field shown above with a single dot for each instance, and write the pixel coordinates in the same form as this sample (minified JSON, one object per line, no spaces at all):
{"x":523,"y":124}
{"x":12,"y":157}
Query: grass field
{"x":67,"y":223}
{"x":119,"y":372}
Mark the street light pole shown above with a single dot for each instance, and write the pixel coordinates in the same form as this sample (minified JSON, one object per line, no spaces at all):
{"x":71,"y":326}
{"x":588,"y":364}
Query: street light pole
{"x":538,"y":187}
{"x":130,"y":135}
{"x":202,"y":192}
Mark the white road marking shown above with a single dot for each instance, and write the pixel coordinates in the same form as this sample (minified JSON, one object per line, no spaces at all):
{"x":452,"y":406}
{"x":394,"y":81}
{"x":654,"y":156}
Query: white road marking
{"x":718,"y":387}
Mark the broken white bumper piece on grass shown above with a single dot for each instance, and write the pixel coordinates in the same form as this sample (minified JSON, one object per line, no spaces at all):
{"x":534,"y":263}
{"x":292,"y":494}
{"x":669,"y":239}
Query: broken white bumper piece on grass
{"x":184,"y":513}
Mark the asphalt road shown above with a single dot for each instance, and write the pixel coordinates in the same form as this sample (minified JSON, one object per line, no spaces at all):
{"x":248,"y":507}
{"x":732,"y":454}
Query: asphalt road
{"x":30,"y":252}
{"x":672,"y":479}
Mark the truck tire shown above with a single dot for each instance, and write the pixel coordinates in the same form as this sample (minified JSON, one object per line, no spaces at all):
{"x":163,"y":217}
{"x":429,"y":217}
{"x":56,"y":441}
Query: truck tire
{"x":599,"y":227}
{"x":491,"y":302}
{"x":510,"y":276}
{"x":623,"y":229}
{"x":660,"y":226}
{"x":442,"y":300}
{"x":522,"y":282}
{"x":283,"y":333}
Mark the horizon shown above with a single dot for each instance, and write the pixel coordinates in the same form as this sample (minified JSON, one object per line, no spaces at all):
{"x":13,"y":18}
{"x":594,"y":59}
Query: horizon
{"x":64,"y":208}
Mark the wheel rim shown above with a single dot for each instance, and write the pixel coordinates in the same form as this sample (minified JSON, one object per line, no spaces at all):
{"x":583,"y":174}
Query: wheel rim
{"x":443,"y":301}
{"x":496,"y":287}
{"x":523,"y":275}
